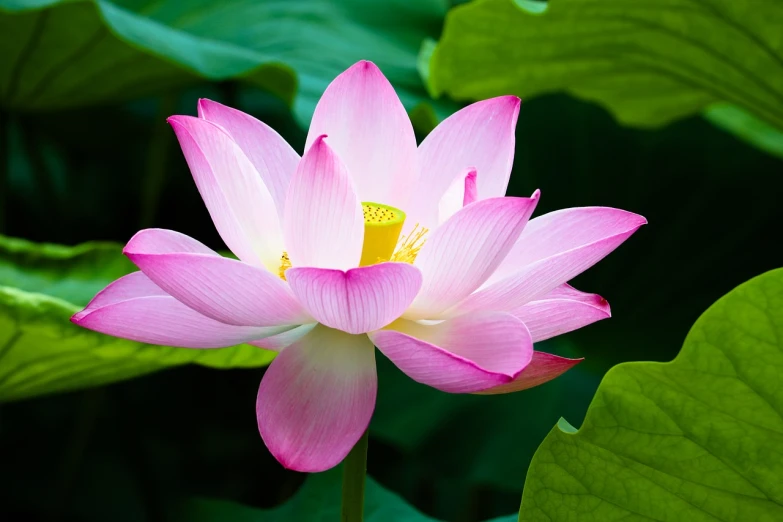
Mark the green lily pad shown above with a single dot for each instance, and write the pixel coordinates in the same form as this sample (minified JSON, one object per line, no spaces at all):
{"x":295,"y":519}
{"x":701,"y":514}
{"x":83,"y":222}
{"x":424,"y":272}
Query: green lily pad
{"x":42,"y":352}
{"x":695,"y":439}
{"x":85,"y":52}
{"x":648,"y":63}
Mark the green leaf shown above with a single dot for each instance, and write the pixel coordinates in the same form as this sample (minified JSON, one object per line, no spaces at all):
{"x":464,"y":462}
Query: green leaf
{"x":648,"y":63}
{"x":746,"y":127}
{"x":131,"y":48}
{"x":42,"y":352}
{"x":318,"y":500}
{"x":695,"y":439}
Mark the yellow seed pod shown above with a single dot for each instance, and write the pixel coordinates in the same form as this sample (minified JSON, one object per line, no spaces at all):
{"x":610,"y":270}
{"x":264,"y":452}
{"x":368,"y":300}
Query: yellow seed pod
{"x":382,"y":228}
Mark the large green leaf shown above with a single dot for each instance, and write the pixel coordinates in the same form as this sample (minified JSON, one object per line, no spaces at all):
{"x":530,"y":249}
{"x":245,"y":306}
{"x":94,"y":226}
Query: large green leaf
{"x":41,"y":352}
{"x":318,"y":500}
{"x":696,"y":439}
{"x":72,"y":53}
{"x":649,"y":63}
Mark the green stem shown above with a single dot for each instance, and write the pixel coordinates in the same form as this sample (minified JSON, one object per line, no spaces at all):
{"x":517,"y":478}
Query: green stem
{"x":354,"y":473}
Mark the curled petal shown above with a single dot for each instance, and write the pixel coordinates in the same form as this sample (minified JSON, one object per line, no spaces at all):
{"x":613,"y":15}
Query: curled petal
{"x":461,"y":355}
{"x":317,"y":398}
{"x":542,"y":368}
{"x":562,"y":310}
{"x":461,"y":192}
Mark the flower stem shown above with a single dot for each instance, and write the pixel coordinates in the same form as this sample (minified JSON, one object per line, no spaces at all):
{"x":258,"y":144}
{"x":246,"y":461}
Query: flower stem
{"x":354,"y":473}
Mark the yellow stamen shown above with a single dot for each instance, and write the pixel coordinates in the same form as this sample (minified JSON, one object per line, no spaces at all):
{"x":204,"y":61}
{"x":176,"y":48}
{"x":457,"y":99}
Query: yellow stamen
{"x":382,"y":227}
{"x":410,"y":245}
{"x":285,"y":264}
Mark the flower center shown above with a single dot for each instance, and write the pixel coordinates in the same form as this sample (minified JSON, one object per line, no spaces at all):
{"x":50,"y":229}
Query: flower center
{"x":382,"y":242}
{"x":382,"y":227}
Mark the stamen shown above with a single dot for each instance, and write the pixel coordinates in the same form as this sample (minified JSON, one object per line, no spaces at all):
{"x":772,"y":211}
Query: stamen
{"x":285,"y":264}
{"x":410,"y":245}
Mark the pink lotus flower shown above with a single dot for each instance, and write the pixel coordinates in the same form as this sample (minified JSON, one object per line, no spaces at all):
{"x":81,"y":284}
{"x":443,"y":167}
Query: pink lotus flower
{"x":457,"y":303}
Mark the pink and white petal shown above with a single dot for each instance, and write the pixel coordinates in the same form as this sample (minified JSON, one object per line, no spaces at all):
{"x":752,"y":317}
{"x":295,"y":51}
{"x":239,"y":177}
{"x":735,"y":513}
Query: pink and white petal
{"x":272,"y":157}
{"x":465,"y":250}
{"x":471,"y":190}
{"x":316,"y":399}
{"x":163,"y":241}
{"x":240,"y":204}
{"x":224,"y":289}
{"x":461,"y":355}
{"x":127,"y":287}
{"x":543,"y":368}
{"x":562,"y":310}
{"x":324,"y":224}
{"x":482,"y":136}
{"x":370,"y":131}
{"x":564,"y":230}
{"x":552,"y":250}
{"x":359,"y":300}
{"x":280,"y":341}
{"x":161,"y":319}
{"x":461,"y":192}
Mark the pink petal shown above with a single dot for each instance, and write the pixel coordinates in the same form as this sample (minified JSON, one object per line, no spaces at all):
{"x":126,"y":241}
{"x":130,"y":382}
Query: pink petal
{"x":240,"y":204}
{"x":562,"y":310}
{"x":461,"y":192}
{"x":480,"y":136}
{"x":461,"y":355}
{"x":316,"y":399}
{"x":359,"y":300}
{"x":134,"y":308}
{"x":370,"y":131}
{"x":465,"y":250}
{"x":224,"y":289}
{"x":552,"y":250}
{"x":272,"y":157}
{"x":471,"y":188}
{"x":127,"y":287}
{"x":543,"y":368}
{"x":324,"y":225}
{"x":280,"y":341}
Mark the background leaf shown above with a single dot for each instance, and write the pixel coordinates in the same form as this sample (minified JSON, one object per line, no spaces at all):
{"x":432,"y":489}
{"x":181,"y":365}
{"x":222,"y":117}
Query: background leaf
{"x":41,"y":352}
{"x":317,"y":501}
{"x":131,"y":48}
{"x":648,"y":63}
{"x":695,"y":439}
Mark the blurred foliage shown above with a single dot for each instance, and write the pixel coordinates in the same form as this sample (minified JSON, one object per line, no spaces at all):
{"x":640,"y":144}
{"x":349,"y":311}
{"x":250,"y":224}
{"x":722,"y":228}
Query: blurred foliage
{"x":317,"y":501}
{"x":41,"y":352}
{"x":696,"y":439}
{"x":648,"y":63}
{"x":86,"y":156}
{"x":86,"y":52}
